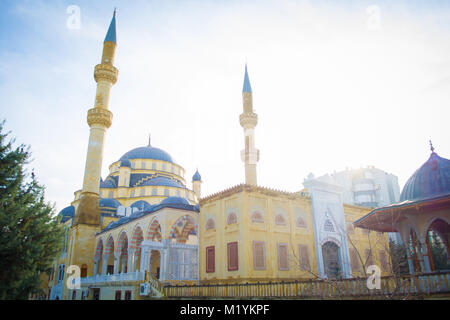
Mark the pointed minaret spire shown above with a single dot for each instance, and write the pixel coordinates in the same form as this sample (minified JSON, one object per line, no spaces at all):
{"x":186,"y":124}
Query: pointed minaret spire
{"x":247,"y":87}
{"x":111,"y":34}
{"x":431,"y":147}
{"x":248,"y":120}
{"x":99,"y":120}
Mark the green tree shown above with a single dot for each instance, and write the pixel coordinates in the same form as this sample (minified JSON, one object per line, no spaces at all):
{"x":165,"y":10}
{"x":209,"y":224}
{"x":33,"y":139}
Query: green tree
{"x":30,"y":237}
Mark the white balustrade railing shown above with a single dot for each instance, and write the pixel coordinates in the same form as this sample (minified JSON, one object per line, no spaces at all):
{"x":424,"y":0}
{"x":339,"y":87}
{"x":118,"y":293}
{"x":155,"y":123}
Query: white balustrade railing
{"x":118,"y":277}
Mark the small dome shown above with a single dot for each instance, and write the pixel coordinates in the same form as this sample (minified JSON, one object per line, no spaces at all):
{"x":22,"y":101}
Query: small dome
{"x":109,"y":203}
{"x":161,"y":181}
{"x":148,"y":152}
{"x":125,"y":163}
{"x":141,"y":205}
{"x":175,"y":200}
{"x":67,"y":211}
{"x":432,"y":179}
{"x":197,"y":176}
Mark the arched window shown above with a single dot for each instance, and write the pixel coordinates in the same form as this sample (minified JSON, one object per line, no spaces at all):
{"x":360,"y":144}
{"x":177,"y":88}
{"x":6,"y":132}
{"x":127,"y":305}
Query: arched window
{"x":231,"y":218}
{"x":301,"y":223}
{"x":257,"y":217}
{"x":210,"y":224}
{"x":328,"y":226}
{"x":280,"y":220}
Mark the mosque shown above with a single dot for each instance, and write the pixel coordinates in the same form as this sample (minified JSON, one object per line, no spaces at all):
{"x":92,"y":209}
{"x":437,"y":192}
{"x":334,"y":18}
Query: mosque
{"x":144,"y":226}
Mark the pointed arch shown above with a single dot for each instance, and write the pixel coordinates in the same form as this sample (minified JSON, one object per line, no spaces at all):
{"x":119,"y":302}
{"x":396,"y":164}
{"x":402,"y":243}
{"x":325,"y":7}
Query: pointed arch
{"x":154,"y":231}
{"x":109,"y":245}
{"x":137,"y":237}
{"x":182,"y":227}
{"x":99,"y":249}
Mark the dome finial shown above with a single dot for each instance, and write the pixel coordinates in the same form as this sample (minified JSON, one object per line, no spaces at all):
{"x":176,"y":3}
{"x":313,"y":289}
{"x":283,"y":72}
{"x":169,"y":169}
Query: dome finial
{"x":149,"y":139}
{"x":431,"y":147}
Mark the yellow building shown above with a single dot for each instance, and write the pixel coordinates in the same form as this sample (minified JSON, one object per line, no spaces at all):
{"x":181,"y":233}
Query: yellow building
{"x":142,"y":226}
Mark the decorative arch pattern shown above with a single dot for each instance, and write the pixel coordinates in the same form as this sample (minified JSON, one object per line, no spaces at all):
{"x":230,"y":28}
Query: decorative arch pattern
{"x":328,"y":226}
{"x":257,"y":217}
{"x":301,"y":223}
{"x":210,"y":224}
{"x":99,"y":249}
{"x":137,"y":238}
{"x":231,"y":218}
{"x":280,"y":220}
{"x":188,"y":224}
{"x":122,"y":243}
{"x":154,"y":231}
{"x":109,"y":245}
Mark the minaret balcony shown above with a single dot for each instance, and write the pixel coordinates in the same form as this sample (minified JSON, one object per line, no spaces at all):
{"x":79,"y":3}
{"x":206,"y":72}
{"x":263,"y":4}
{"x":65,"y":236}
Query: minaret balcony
{"x":251,"y":156}
{"x":99,"y":116}
{"x":248,"y":120}
{"x":106,"y":72}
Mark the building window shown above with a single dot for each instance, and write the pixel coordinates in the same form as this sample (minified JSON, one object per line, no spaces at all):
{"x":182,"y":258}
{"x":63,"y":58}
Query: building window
{"x":143,"y":165}
{"x":259,"y":255}
{"x":172,"y":169}
{"x":283,"y":256}
{"x":210,"y":224}
{"x":257,"y":217}
{"x":210,"y":259}
{"x":164,"y":167}
{"x":232,"y":254}
{"x":303,"y":254}
{"x":142,"y":192}
{"x":231,"y":218}
{"x":328,"y":226}
{"x":83,"y":271}
{"x":128,"y":295}
{"x":301,"y":223}
{"x":74,"y":295}
{"x":118,"y":295}
{"x":154,"y":165}
{"x":111,"y":194}
{"x":110,"y":269}
{"x":132,"y":194}
{"x":133,"y":164}
{"x":280,"y":220}
{"x":154,"y":192}
{"x":178,"y":193}
{"x":166,"y":192}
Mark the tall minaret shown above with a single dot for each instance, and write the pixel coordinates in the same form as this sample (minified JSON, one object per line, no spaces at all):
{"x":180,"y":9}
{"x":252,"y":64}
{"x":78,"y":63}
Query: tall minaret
{"x":99,"y":119}
{"x":249,"y":120}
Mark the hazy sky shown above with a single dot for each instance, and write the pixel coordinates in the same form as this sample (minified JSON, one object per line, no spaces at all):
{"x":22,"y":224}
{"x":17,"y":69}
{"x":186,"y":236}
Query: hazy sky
{"x":336,"y":84}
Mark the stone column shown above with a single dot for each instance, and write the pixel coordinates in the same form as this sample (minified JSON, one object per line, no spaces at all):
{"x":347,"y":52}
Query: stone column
{"x":144,"y":259}
{"x":105,"y":263}
{"x":96,"y":260}
{"x":116,"y":263}
{"x":130,"y":260}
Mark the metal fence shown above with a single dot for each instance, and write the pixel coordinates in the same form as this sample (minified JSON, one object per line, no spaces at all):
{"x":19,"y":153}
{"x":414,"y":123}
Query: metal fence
{"x":419,"y":284}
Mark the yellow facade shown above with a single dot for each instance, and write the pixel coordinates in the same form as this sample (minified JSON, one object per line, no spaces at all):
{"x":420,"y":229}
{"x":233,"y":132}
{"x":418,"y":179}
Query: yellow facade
{"x":244,"y":201}
{"x":118,"y":245}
